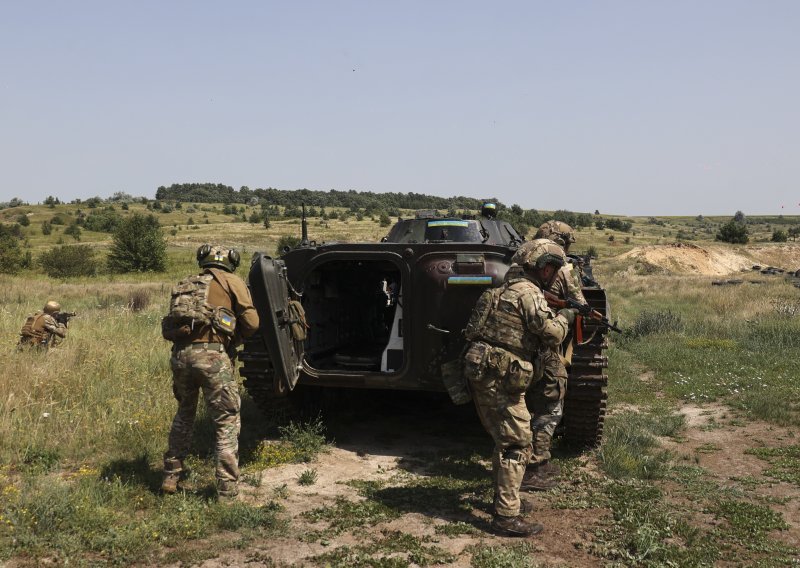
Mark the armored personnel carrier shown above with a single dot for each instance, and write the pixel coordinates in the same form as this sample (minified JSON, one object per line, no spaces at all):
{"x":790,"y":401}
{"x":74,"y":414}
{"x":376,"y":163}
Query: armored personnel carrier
{"x":390,"y":315}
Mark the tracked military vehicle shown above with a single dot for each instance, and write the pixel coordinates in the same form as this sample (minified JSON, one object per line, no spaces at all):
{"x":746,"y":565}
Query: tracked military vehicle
{"x":390,"y":315}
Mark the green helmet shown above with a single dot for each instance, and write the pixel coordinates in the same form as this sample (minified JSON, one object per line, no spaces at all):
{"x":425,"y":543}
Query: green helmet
{"x":558,"y":232}
{"x":538,"y":253}
{"x":217,"y":256}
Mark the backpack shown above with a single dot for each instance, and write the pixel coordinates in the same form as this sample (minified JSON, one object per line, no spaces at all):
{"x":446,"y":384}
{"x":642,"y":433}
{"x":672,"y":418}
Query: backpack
{"x":189,"y":309}
{"x":29,"y":330}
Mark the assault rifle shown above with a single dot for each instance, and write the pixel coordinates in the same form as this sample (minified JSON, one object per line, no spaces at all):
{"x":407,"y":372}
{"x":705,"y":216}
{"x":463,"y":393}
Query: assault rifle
{"x":584,"y":310}
{"x":64,"y":317}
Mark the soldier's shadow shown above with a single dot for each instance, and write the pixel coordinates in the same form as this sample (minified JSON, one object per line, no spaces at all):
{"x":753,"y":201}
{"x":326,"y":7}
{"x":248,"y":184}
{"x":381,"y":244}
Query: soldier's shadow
{"x":135,"y":471}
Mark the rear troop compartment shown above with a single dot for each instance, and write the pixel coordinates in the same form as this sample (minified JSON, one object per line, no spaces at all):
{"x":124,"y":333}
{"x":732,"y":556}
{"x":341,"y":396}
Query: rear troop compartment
{"x":354,"y":313}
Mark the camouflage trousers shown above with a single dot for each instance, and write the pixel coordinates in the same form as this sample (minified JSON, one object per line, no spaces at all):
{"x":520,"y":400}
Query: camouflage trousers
{"x":547,"y":402}
{"x":505,"y":417}
{"x":196,"y":367}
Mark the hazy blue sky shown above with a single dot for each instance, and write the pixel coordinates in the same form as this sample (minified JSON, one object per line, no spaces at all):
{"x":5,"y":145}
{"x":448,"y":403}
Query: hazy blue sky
{"x":629,"y":107}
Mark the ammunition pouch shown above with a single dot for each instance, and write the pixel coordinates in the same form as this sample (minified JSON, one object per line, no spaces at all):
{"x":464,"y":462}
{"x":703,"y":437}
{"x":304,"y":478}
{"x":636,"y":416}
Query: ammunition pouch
{"x":475,"y":361}
{"x":175,"y":331}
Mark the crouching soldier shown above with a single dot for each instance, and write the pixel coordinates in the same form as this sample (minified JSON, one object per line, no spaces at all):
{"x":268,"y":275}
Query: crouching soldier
{"x":511,"y":329}
{"x":210,"y":314}
{"x":42,"y":329}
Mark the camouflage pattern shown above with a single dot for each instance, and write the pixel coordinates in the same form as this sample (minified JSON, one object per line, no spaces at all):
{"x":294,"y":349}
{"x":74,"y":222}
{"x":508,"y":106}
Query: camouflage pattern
{"x":548,"y":405}
{"x":538,"y":252}
{"x":558,"y":232}
{"x":499,"y":365}
{"x":207,"y":367}
{"x":567,"y":284}
{"x":41,"y":330}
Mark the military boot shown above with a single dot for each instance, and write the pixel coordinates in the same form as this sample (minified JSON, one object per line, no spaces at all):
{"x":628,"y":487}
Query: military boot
{"x":172,"y":475}
{"x":169,"y":484}
{"x":548,"y":468}
{"x":536,"y":481}
{"x":514,"y":526}
{"x":227,"y":490}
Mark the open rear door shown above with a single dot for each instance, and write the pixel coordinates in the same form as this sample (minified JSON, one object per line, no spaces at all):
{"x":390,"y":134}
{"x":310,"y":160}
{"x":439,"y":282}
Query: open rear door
{"x":270,"y":290}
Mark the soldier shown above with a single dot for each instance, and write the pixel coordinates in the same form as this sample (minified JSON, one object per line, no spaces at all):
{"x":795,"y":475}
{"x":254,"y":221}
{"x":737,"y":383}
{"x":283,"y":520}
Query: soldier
{"x":209,"y":315}
{"x":41,"y":330}
{"x":511,"y":331}
{"x":569,"y":278}
{"x":548,"y":394}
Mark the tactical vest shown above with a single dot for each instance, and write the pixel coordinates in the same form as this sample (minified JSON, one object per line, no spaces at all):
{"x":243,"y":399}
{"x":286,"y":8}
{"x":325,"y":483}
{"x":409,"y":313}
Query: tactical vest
{"x":497,"y":320}
{"x":189,"y":309}
{"x":33,"y":330}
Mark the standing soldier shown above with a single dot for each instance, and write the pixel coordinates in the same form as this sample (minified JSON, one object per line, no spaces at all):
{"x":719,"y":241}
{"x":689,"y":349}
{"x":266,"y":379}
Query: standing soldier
{"x":548,"y":394}
{"x":209,"y":316}
{"x":512,"y":330}
{"x":42,"y":328}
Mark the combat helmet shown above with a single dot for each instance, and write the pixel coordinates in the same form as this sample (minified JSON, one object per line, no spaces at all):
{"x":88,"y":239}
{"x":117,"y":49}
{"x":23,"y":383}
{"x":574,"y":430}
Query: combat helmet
{"x":489,"y":209}
{"x":218,"y":256}
{"x":558,"y":232}
{"x":51,"y":307}
{"x":538,"y":253}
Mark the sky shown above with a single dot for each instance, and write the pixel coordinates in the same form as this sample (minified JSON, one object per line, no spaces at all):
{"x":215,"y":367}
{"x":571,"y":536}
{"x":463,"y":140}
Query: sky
{"x":627,"y":107}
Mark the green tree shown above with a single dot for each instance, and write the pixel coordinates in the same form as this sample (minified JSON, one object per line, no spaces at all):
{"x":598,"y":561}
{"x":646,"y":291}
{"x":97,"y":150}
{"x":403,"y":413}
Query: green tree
{"x":384,"y":220}
{"x":139,"y":246}
{"x":69,"y":260}
{"x":47,"y":228}
{"x":733,"y":232}
{"x":11,"y":257}
{"x":794,"y":232}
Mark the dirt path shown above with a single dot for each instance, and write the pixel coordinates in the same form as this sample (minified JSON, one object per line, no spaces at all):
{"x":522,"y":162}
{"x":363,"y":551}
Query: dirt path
{"x":439,"y":490}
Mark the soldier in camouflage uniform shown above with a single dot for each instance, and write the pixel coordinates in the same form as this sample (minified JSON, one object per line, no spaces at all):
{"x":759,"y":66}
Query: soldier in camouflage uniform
{"x":201,"y":361}
{"x":41,"y":329}
{"x":548,"y":394}
{"x":511,"y":331}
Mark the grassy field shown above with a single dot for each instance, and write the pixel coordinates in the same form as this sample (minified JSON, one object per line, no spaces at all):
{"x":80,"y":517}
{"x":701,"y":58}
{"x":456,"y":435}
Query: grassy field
{"x":82,"y":428}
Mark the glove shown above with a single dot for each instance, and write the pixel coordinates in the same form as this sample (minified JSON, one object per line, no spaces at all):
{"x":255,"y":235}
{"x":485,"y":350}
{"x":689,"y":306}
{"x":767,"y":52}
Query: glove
{"x":569,"y":314}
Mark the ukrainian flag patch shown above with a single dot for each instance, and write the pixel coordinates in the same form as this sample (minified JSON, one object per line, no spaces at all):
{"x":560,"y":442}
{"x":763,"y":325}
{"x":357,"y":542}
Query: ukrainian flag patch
{"x":226,"y":320}
{"x":470,"y":280}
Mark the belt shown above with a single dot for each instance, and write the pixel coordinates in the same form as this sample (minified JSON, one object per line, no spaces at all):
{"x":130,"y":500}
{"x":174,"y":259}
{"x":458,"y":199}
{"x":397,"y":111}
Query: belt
{"x":206,"y":345}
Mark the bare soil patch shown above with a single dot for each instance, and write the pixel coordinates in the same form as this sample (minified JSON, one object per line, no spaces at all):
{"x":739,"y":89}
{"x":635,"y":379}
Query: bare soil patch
{"x":716,"y":439}
{"x":713,"y":260}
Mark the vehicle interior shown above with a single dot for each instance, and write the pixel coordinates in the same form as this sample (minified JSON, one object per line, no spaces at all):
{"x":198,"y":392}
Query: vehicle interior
{"x":354,"y":312}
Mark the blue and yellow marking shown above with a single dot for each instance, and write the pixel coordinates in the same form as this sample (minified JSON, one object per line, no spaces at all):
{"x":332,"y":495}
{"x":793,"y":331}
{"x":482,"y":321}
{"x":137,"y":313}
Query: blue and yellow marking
{"x":470,"y":280}
{"x":448,"y":223}
{"x":227,"y":321}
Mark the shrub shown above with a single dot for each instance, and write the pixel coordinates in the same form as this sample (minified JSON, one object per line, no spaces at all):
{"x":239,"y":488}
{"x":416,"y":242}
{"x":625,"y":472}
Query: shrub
{"x":57,"y":219}
{"x":23,"y":220}
{"x":779,"y":236}
{"x":733,"y":232}
{"x":105,"y":221}
{"x":11,"y":257}
{"x":74,"y":231}
{"x":69,"y":260}
{"x":648,"y":323}
{"x":47,"y":227}
{"x":139,"y":300}
{"x":285,"y":241}
{"x":139,"y":246}
{"x":384,"y":220}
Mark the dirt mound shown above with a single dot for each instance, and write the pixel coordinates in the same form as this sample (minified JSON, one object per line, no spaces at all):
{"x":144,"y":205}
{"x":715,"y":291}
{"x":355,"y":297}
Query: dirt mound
{"x":712,"y":260}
